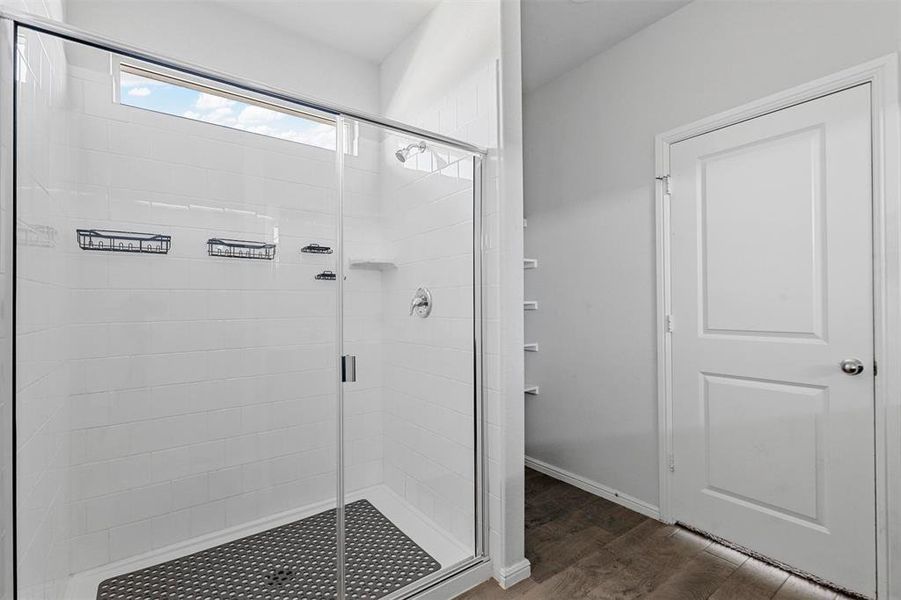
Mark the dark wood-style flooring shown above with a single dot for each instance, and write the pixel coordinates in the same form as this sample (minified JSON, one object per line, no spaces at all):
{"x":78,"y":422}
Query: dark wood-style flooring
{"x":585,"y":547}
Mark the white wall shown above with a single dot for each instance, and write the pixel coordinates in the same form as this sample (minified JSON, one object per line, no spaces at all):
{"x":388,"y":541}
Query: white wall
{"x":589,"y":139}
{"x":214,"y":37}
{"x":456,"y":39}
{"x":509,"y":476}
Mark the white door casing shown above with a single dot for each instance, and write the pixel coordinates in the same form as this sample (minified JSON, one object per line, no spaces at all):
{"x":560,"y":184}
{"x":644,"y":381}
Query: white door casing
{"x":771,"y":246}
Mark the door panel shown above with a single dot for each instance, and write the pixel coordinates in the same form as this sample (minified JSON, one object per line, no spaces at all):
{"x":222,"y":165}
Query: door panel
{"x":778,"y":288}
{"x":771,"y":229}
{"x":407,"y":269}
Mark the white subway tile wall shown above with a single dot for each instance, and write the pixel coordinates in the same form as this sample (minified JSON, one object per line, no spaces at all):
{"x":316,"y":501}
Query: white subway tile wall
{"x":166,"y":397}
{"x":428,"y":364}
{"x":41,"y":370}
{"x":204,"y":387}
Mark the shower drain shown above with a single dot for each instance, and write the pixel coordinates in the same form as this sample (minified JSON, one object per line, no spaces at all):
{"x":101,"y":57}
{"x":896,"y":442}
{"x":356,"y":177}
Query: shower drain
{"x":279,"y":576}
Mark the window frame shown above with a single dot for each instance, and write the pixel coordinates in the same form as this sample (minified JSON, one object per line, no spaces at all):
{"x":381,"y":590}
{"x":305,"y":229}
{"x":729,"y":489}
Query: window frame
{"x":183,"y":80}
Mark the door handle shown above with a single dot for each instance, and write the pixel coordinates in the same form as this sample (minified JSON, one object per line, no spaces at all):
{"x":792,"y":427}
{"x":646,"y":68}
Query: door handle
{"x":851,"y":366}
{"x":348,"y":368}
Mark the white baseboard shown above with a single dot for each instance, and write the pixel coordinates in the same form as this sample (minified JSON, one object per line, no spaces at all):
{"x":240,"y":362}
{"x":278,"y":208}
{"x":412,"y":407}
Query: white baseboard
{"x":507,"y":577}
{"x":593,"y":487}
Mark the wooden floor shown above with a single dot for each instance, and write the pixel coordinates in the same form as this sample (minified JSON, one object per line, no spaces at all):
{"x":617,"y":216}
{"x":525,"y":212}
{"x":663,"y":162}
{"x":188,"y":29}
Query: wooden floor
{"x":584,"y":547}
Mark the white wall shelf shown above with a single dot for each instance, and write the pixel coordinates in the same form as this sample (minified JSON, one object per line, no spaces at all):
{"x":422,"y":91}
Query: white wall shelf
{"x":375,"y":264}
{"x":530,"y":263}
{"x":531,"y":390}
{"x":531,"y":347}
{"x":530,"y":305}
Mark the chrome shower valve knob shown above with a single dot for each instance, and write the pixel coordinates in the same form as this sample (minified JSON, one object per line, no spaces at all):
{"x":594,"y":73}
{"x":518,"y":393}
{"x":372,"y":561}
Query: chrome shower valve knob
{"x":421,"y":305}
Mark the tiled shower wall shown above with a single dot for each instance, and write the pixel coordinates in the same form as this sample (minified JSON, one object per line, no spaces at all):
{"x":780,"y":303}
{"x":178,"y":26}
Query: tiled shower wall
{"x":429,"y":420}
{"x":202,"y":389}
{"x":42,"y":409}
{"x":215,"y":396}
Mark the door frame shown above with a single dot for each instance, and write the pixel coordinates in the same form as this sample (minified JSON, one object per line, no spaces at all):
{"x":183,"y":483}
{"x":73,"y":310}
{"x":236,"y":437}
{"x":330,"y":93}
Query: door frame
{"x":882,"y":75}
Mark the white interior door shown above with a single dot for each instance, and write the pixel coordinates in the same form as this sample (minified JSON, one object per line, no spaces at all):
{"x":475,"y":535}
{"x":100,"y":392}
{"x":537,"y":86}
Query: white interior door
{"x":772,"y":288}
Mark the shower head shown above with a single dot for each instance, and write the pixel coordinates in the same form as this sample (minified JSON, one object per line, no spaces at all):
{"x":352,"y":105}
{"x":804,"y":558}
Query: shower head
{"x":404,"y":153}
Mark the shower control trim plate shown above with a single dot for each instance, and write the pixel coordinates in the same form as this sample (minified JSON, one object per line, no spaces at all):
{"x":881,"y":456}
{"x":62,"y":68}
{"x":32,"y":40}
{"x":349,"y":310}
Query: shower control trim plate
{"x":421,"y":305}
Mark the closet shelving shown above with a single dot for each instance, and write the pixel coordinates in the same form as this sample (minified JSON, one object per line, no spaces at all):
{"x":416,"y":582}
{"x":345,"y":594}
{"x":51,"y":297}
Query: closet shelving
{"x":529,"y":264}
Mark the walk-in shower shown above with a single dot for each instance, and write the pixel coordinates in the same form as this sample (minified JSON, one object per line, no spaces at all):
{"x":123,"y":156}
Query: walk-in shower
{"x":190,"y":288}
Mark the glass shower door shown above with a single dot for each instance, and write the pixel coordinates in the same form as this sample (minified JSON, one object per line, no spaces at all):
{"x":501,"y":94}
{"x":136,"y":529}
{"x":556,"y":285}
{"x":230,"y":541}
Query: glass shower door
{"x":410,"y":314}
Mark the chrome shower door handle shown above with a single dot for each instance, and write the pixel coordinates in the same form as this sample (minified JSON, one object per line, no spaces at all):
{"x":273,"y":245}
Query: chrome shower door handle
{"x":348,"y":368}
{"x":851,"y":366}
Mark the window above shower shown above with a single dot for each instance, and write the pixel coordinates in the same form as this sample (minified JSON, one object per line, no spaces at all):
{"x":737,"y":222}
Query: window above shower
{"x":146,"y":88}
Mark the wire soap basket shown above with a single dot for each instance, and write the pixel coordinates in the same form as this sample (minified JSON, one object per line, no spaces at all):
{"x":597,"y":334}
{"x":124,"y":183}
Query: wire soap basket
{"x":229,"y":248}
{"x":108,"y":240}
{"x":32,"y":234}
{"x":316,"y":249}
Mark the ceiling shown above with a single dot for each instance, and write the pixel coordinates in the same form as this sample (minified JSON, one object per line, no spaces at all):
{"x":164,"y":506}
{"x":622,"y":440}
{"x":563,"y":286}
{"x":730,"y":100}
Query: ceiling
{"x":559,"y":35}
{"x":368,"y":29}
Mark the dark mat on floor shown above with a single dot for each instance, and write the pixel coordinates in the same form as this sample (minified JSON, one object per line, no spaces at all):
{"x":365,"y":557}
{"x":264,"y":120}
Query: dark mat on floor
{"x":294,"y":561}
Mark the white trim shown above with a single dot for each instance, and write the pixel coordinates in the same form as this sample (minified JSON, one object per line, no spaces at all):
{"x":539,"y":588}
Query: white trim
{"x":458,"y":584}
{"x":882,"y":74}
{"x":515,"y":573}
{"x":593,"y":487}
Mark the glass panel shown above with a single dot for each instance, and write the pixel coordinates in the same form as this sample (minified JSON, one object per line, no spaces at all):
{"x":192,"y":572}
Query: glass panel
{"x":176,"y":352}
{"x":409,"y":418}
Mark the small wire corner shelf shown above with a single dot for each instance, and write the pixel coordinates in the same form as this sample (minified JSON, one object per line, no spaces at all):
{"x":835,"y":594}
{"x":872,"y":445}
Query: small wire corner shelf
{"x":108,"y":240}
{"x":316,"y":249}
{"x":29,"y":234}
{"x":228,"y":248}
{"x":326,"y":275}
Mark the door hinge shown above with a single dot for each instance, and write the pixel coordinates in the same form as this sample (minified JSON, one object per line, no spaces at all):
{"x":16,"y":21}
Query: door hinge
{"x":667,"y":185}
{"x":348,"y":368}
{"x":875,"y":368}
{"x":668,"y":323}
{"x":671,"y":463}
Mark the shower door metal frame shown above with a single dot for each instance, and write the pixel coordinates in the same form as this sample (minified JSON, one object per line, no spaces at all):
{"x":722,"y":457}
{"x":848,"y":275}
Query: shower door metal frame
{"x":11,"y":21}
